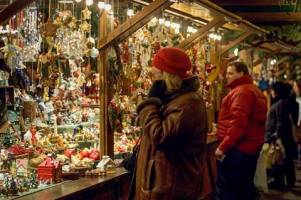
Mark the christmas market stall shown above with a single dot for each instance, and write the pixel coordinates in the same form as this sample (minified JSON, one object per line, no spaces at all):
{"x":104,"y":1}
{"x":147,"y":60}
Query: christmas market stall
{"x":72,"y":73}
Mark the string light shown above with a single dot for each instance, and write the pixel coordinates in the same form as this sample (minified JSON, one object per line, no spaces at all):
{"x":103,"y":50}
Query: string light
{"x":108,"y":7}
{"x":161,"y":21}
{"x":215,"y":36}
{"x":273,"y":61}
{"x":101,"y":5}
{"x":236,"y":52}
{"x":154,"y":20}
{"x":78,"y":1}
{"x":89,"y":2}
{"x":190,"y":29}
{"x":130,"y":12}
{"x":167,"y":23}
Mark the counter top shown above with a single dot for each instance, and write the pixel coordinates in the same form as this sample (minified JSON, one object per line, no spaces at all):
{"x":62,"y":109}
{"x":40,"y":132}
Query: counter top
{"x":72,"y":188}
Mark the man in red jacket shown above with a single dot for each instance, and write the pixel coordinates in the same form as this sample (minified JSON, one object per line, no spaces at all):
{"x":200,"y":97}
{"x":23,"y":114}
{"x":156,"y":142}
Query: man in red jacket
{"x":240,"y":133}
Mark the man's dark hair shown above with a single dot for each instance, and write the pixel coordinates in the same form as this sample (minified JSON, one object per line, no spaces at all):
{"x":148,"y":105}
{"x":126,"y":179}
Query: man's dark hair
{"x":240,"y":67}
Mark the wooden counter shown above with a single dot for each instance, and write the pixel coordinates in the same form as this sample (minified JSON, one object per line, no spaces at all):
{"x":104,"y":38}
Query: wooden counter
{"x":115,"y":186}
{"x":110,"y":187}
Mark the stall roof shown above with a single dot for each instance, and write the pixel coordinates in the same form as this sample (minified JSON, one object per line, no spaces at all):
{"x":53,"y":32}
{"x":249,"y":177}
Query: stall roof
{"x":264,"y":11}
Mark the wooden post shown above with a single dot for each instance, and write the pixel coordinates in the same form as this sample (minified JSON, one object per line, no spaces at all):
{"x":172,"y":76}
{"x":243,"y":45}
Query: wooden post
{"x":201,"y":33}
{"x":102,"y":66}
{"x":134,"y":23}
{"x":235,"y":42}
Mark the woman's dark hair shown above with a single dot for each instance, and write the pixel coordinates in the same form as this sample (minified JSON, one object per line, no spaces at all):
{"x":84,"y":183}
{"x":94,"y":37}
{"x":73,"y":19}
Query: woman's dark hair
{"x":240,"y":67}
{"x":281,"y":89}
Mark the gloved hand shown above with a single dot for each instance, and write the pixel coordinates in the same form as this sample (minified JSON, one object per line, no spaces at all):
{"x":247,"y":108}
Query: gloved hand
{"x":158,"y":89}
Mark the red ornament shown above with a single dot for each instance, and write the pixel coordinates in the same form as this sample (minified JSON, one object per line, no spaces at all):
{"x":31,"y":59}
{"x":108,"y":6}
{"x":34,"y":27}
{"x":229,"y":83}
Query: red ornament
{"x":69,"y":152}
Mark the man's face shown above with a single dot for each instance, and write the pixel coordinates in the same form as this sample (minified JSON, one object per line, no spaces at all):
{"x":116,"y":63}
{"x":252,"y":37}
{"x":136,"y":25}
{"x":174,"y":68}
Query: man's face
{"x":232,"y":74}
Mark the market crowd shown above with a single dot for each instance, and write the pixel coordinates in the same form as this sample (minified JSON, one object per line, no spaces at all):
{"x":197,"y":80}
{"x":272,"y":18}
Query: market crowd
{"x":170,"y":157}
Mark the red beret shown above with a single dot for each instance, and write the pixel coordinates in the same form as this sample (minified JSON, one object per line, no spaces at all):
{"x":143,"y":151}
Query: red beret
{"x":172,"y":60}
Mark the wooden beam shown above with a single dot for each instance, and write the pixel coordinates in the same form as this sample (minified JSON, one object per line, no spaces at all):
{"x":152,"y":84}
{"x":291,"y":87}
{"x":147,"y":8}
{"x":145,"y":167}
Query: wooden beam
{"x":247,"y":26}
{"x":13,"y":9}
{"x":272,"y":16}
{"x":136,"y":22}
{"x":218,"y":22}
{"x":246,"y":3}
{"x":217,"y":10}
{"x":235,"y":42}
{"x":102,"y":68}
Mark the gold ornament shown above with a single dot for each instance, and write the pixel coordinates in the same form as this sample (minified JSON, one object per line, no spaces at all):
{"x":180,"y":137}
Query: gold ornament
{"x":86,"y":14}
{"x":85,"y":26}
{"x":73,"y":22}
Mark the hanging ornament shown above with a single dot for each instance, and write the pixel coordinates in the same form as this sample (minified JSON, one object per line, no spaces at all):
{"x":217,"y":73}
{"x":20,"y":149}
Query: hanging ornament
{"x":94,"y":52}
{"x":86,"y":14}
{"x":85,"y":26}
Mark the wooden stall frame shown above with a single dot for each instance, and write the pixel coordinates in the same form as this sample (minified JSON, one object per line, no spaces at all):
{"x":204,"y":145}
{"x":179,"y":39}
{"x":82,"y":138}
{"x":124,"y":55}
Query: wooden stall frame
{"x":134,"y":23}
{"x":150,"y":10}
{"x":201,"y":33}
{"x":235,"y":42}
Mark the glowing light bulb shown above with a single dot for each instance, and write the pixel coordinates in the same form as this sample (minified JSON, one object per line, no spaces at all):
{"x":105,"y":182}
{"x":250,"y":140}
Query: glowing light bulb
{"x":161,"y":21}
{"x":101,"y":5}
{"x":89,"y":2}
{"x":236,"y":52}
{"x":154,"y":20}
{"x":108,"y":7}
{"x":78,"y":1}
{"x":167,"y":23}
{"x":130,"y":12}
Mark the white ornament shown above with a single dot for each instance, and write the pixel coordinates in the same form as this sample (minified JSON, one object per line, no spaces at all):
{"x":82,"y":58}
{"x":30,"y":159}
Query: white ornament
{"x":94,"y":52}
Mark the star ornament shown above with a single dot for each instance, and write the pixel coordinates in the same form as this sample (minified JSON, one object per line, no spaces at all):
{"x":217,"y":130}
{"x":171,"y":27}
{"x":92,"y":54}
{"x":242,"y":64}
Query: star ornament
{"x":85,"y":26}
{"x":86,"y":14}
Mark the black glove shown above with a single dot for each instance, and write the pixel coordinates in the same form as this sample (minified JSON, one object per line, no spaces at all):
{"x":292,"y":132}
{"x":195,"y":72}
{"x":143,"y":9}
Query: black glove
{"x":158,"y":89}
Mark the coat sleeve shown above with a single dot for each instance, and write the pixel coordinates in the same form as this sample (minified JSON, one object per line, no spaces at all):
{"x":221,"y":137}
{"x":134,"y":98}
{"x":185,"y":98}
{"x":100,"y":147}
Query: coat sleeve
{"x":240,"y":109}
{"x":270,"y":126}
{"x":282,"y":119}
{"x":168,"y":131}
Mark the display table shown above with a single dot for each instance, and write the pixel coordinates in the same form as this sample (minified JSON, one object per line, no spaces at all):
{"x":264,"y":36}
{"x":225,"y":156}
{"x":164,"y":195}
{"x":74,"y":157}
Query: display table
{"x":111,"y":187}
{"x":115,"y":186}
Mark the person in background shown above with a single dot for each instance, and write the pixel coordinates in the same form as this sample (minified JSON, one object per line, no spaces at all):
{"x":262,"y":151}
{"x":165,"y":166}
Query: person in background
{"x":240,"y":134}
{"x":173,"y":118}
{"x":297,"y":90}
{"x":279,"y":125}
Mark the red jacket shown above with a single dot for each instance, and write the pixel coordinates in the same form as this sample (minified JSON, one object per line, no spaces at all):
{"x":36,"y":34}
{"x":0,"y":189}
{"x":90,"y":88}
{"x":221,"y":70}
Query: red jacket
{"x":242,"y":117}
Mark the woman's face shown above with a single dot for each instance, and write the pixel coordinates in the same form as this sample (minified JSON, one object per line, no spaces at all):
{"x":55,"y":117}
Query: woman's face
{"x":156,"y":74}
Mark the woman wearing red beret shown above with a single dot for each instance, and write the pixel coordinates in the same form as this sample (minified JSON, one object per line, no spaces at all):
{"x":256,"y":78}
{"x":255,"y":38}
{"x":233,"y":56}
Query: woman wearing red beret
{"x":171,"y":157}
